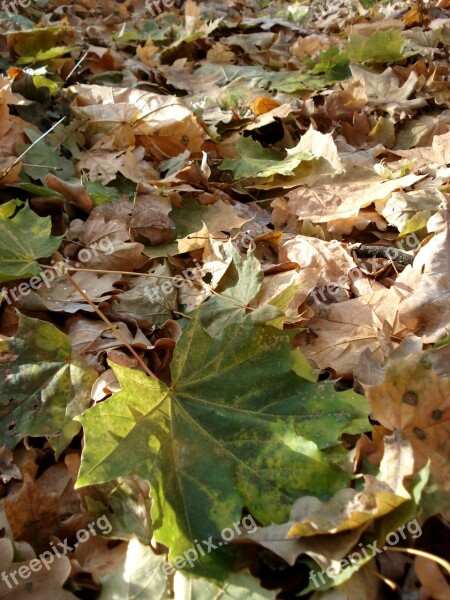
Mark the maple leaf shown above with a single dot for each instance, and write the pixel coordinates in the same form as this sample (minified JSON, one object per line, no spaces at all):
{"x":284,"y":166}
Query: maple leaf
{"x":343,"y":196}
{"x":384,"y":91}
{"x":413,"y":398}
{"x":213,"y":414}
{"x":45,"y":388}
{"x":381,"y":46}
{"x":25,"y":237}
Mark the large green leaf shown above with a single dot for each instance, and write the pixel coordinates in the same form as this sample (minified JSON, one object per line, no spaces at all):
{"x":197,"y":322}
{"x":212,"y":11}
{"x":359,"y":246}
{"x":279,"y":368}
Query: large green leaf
{"x":23,"y":239}
{"x":42,"y":388}
{"x":236,"y":428}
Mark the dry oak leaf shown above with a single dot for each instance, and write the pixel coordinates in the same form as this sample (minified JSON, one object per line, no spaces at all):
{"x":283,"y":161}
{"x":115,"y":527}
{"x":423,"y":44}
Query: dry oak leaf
{"x":344,"y":196}
{"x":384,"y":91}
{"x":427,"y":311}
{"x":414,"y":399}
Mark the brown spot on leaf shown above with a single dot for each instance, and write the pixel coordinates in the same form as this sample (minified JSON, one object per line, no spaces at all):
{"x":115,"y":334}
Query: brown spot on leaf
{"x":410,"y":398}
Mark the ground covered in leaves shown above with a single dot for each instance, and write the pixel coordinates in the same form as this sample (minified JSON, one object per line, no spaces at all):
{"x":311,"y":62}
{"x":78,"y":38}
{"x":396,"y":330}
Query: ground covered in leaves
{"x":225,"y":306}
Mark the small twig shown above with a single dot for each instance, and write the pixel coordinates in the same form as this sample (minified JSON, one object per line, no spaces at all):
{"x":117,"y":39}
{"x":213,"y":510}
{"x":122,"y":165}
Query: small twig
{"x":387,"y":252}
{"x":41,"y":137}
{"x":115,"y":331}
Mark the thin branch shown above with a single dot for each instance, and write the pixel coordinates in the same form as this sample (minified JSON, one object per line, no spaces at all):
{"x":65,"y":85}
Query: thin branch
{"x":115,"y":331}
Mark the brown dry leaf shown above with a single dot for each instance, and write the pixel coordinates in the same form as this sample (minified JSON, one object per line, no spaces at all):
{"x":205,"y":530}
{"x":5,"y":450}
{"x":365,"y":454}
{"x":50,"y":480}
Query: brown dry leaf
{"x":341,"y":105}
{"x":104,"y":166}
{"x":33,"y":515}
{"x":93,"y":337}
{"x":384,"y":91}
{"x":97,"y":557}
{"x":338,"y":336}
{"x":430,"y":576}
{"x":41,"y":582}
{"x":11,"y":130}
{"x":75,"y":193}
{"x":436,"y":154}
{"x":111,"y":240}
{"x":422,"y":130}
{"x":61,"y":296}
{"x":304,"y":281}
{"x":150,"y":218}
{"x":427,"y":311}
{"x":8,"y":470}
{"x":333,"y":262}
{"x":149,"y":114}
{"x":414,"y":399}
{"x":344,"y":196}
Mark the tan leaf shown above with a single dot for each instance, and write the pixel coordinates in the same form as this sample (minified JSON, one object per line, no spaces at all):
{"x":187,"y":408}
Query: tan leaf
{"x":427,"y":310}
{"x":385,"y":92}
{"x":344,"y":196}
{"x":333,"y":262}
{"x":348,"y":509}
{"x":40,"y":582}
{"x":111,"y":241}
{"x":415,"y":400}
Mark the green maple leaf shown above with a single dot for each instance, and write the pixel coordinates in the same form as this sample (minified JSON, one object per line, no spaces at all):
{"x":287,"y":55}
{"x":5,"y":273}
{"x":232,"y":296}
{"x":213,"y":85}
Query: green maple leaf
{"x":240,"y":284}
{"x":236,"y":428}
{"x":43,"y":389}
{"x":23,"y":239}
{"x":380,"y":46}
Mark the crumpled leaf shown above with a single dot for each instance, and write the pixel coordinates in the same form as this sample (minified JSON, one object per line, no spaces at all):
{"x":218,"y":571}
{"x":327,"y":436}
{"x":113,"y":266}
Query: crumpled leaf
{"x":204,"y":420}
{"x":343,"y":196}
{"x":111,"y":240}
{"x":45,"y":388}
{"x":384,"y":91}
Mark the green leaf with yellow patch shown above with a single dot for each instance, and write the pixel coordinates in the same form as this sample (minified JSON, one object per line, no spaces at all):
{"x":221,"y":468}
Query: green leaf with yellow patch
{"x":236,"y":428}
